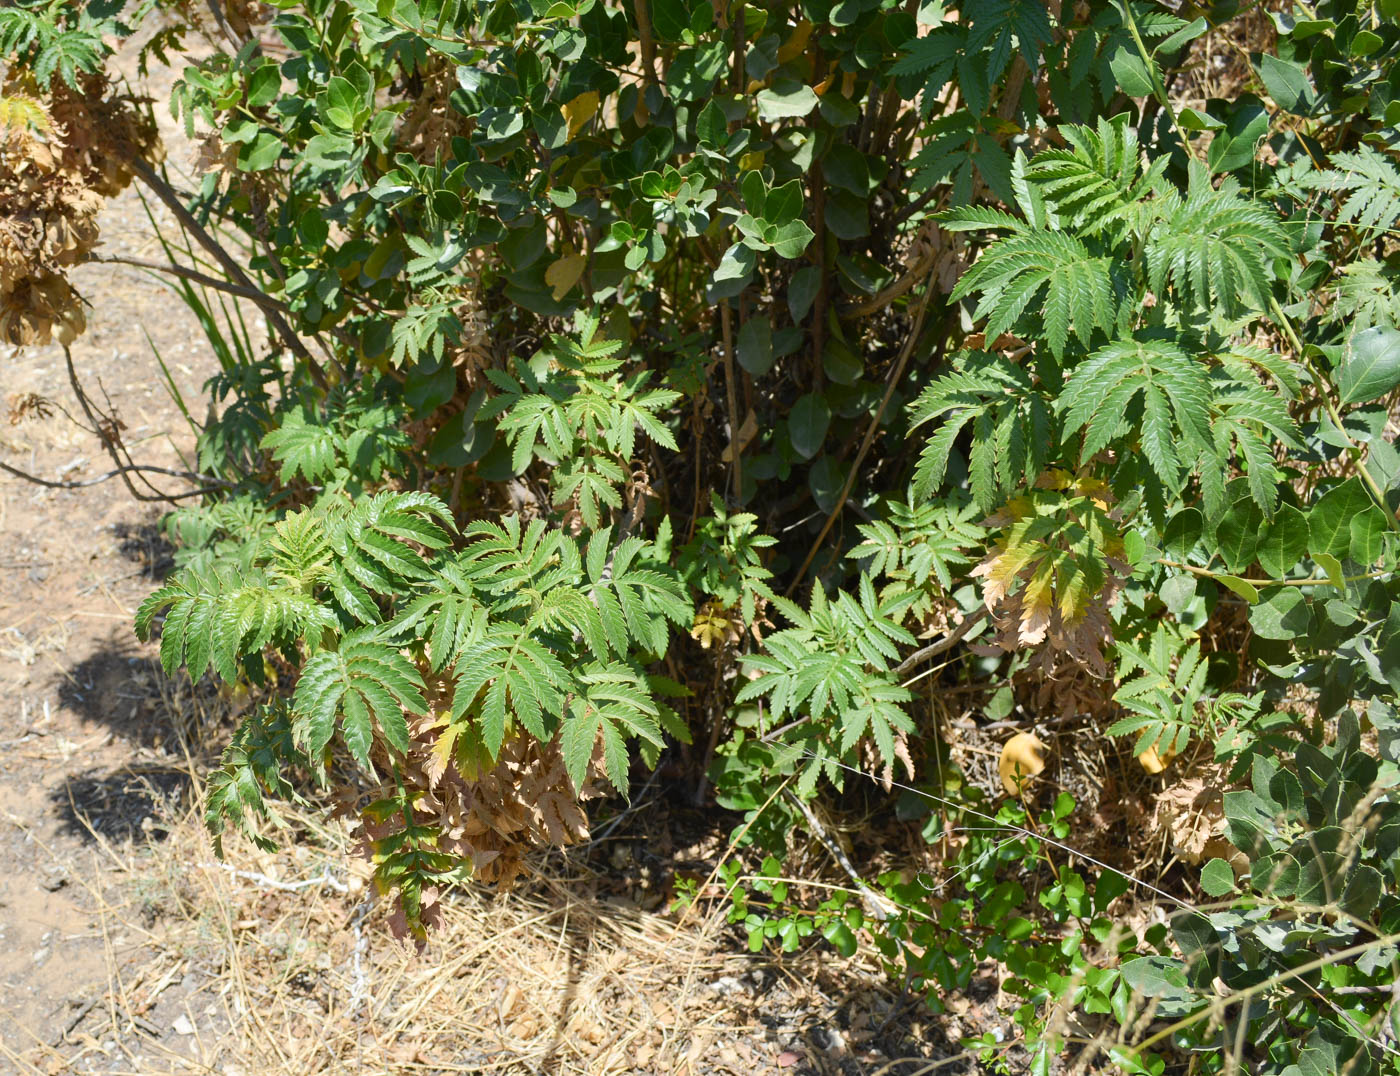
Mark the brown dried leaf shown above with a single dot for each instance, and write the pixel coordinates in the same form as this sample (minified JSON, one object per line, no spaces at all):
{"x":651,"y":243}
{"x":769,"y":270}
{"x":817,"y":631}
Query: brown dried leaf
{"x":1022,"y":758}
{"x":27,"y":405}
{"x":1191,"y":813}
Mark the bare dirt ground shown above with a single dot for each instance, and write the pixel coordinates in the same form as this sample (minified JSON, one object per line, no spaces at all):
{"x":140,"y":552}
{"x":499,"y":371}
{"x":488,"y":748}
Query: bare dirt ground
{"x":125,"y":947}
{"x":86,"y":751}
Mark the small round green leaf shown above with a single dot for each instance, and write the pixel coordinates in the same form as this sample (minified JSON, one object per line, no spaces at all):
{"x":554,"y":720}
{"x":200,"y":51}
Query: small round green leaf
{"x":1178,"y":592}
{"x":1284,"y":543}
{"x":788,"y":99}
{"x":1329,"y":520}
{"x":733,"y":272}
{"x":841,"y":938}
{"x":1363,"y":891}
{"x":1365,"y":42}
{"x":802,"y":290}
{"x":1183,"y":532}
{"x":1282,"y":614}
{"x":825,"y":480}
{"x":1368,"y":529}
{"x":1155,"y":976}
{"x":1238,"y":533}
{"x":1217,"y":879}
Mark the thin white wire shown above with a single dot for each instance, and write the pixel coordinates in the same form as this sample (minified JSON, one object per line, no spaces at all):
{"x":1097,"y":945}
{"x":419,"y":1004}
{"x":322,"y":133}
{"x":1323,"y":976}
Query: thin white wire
{"x":1014,"y":829}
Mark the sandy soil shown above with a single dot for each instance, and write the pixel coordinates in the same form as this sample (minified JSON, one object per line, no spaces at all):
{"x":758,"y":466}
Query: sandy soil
{"x":86,"y":758}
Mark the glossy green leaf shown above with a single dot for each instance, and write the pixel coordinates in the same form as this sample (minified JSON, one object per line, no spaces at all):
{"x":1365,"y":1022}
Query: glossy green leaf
{"x":1154,"y":976}
{"x":1332,"y":566}
{"x":792,"y":239}
{"x":1217,"y":878}
{"x":807,"y":425}
{"x":1178,"y":592}
{"x":1281,"y":613}
{"x":1132,"y":74}
{"x":1329,"y":520}
{"x":783,"y":205}
{"x":1184,"y":530}
{"x":1238,"y":533}
{"x":755,"y":346}
{"x":711,"y":126}
{"x":1367,"y":529}
{"x":733,"y":273}
{"x":802,"y":290}
{"x":1242,"y":587}
{"x":787,"y":99}
{"x":1195,"y":120}
{"x":1287,"y":83}
{"x":1371,"y":368}
{"x":1284,"y":543}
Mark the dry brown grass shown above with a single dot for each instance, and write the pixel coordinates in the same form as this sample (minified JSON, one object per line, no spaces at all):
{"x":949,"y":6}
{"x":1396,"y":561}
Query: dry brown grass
{"x":283,"y":964}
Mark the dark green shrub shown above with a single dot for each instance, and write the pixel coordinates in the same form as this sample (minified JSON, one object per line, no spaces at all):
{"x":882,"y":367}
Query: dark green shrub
{"x":655,"y":371}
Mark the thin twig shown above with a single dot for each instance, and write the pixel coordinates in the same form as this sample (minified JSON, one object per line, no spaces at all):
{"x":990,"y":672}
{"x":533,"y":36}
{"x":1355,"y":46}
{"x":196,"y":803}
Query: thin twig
{"x":1010,"y":828}
{"x":227,"y":30}
{"x":735,"y":445}
{"x":83,"y":1009}
{"x":895,"y":374}
{"x":884,"y":298}
{"x":325,"y":878}
{"x":125,"y":467}
{"x":879,"y":906}
{"x":166,"y":194}
{"x":1159,"y":91}
{"x":614,"y":822}
{"x":254,"y":295}
{"x":769,"y":737}
{"x":646,"y":42}
{"x":359,"y":987}
{"x":215,"y":483}
{"x":946,"y":643}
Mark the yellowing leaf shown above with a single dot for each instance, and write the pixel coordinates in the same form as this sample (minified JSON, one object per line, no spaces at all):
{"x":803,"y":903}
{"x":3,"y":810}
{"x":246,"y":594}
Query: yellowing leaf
{"x":1022,"y":758}
{"x":1054,"y":478}
{"x":580,"y":110}
{"x":19,"y":112}
{"x":751,"y":162}
{"x":713,"y":627}
{"x":1038,"y":600}
{"x":441,"y":754}
{"x":1079,"y":585}
{"x":1152,"y":761}
{"x":564,"y":273}
{"x":795,"y":45}
{"x":473,"y":758}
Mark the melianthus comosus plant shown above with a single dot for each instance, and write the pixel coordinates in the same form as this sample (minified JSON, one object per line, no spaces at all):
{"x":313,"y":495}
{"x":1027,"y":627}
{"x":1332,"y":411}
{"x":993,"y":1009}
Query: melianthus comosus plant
{"x":594,"y":327}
